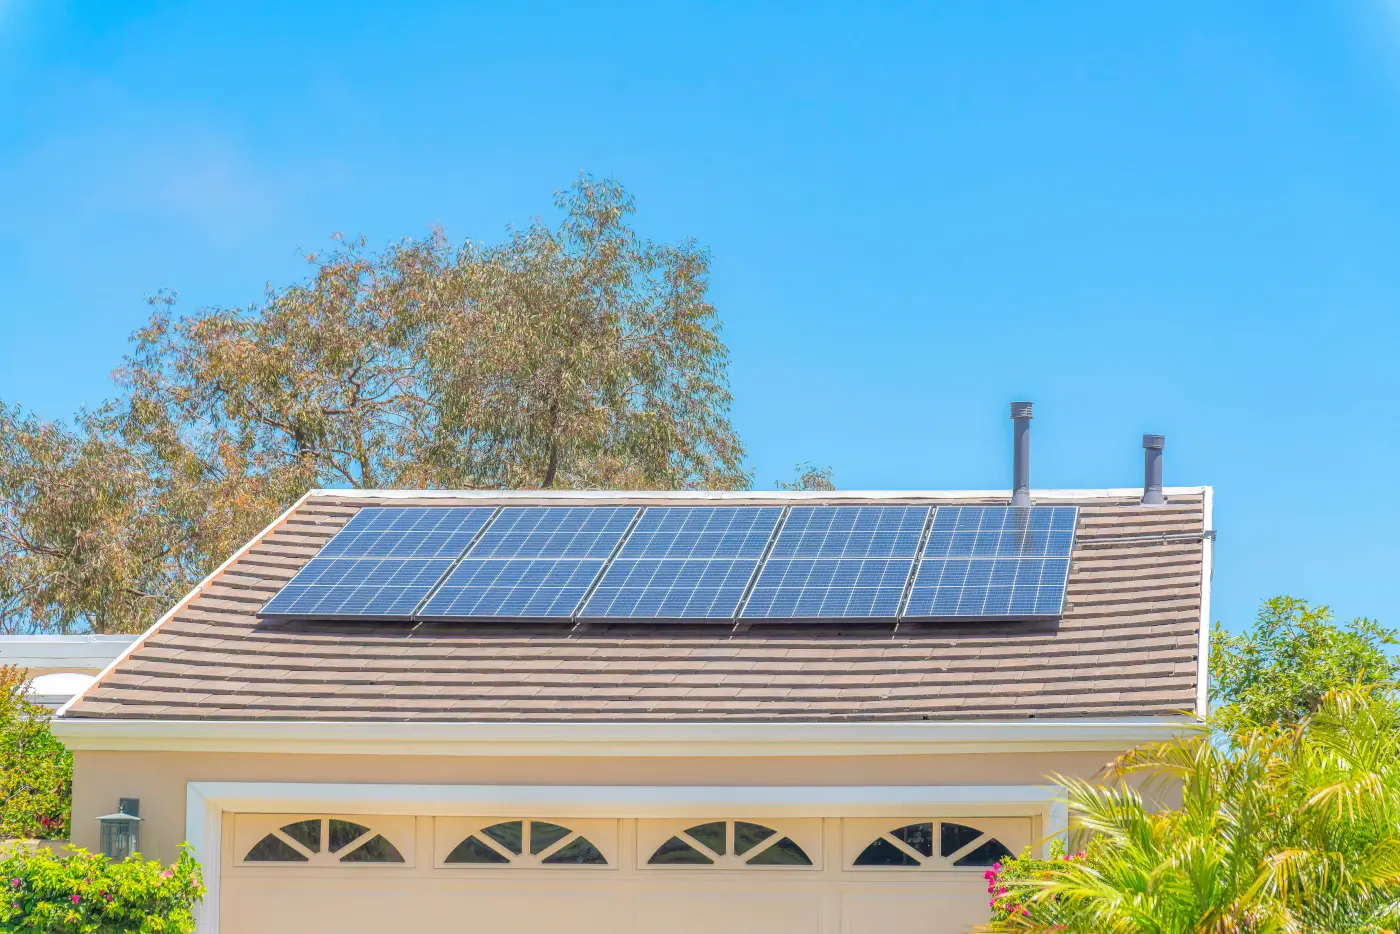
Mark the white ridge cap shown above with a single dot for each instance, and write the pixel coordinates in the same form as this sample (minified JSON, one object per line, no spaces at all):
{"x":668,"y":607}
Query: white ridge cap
{"x":753,"y":495}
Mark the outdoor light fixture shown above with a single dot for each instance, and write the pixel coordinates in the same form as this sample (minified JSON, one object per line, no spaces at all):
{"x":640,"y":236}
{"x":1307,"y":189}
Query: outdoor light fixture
{"x":119,"y":830}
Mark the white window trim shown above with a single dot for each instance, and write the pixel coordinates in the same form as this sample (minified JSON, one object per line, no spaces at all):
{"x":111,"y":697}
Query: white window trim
{"x":206,"y":803}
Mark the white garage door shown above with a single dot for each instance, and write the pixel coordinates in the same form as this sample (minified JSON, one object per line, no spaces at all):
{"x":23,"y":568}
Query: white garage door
{"x":355,"y":873}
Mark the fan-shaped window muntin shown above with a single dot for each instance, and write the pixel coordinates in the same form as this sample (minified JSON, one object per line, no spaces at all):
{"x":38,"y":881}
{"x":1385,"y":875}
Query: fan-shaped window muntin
{"x":324,"y":841}
{"x":932,"y":844}
{"x":537,"y":843}
{"x":729,"y":844}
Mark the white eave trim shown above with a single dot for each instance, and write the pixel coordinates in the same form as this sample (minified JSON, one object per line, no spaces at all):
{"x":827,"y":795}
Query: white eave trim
{"x":617,"y":739}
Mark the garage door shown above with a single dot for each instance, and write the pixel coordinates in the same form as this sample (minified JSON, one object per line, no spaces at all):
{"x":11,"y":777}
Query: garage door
{"x":345,"y":873}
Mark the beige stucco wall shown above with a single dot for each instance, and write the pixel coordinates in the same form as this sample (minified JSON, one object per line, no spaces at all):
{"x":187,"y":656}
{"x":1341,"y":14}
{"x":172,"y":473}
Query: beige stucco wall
{"x":158,"y":779}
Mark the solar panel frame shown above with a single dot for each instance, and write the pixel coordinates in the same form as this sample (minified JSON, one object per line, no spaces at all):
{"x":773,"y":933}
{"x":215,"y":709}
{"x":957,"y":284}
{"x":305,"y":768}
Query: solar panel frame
{"x":531,"y":563}
{"x":838,"y":562}
{"x":801,"y":589}
{"x":684,"y":563}
{"x":408,"y":532}
{"x":994,"y":562}
{"x":357,"y":588}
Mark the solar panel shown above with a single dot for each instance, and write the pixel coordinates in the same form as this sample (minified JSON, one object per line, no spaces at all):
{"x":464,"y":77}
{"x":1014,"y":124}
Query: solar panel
{"x":851,"y":532}
{"x":843,"y":562}
{"x":685,"y":562}
{"x":532,"y":562}
{"x":358,"y":587}
{"x":994,"y":561}
{"x":408,"y":532}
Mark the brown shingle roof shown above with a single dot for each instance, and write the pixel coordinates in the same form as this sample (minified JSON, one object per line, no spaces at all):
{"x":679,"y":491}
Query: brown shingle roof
{"x":1127,"y":646}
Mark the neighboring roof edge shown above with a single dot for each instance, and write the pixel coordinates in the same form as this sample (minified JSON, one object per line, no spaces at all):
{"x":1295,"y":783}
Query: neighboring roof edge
{"x":184,"y":601}
{"x":642,"y":496}
{"x":533,"y":738}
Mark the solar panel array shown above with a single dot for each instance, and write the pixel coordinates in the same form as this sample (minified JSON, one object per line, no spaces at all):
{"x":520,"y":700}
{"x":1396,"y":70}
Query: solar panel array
{"x":697,"y":563}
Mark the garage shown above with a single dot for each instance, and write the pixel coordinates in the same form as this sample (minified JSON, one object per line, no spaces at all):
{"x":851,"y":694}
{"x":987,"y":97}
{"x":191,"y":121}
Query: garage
{"x":350,"y":873}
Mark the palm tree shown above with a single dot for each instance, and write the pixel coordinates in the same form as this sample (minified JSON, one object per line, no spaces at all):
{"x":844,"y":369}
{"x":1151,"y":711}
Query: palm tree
{"x":1279,"y":829}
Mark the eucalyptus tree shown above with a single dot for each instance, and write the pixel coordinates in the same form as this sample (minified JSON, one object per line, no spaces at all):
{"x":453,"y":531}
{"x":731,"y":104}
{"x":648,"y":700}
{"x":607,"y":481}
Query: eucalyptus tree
{"x":576,"y":354}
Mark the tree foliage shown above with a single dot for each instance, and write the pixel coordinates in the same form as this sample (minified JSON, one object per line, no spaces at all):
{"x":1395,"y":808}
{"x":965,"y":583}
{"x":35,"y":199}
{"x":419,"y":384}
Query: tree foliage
{"x":1296,"y":653}
{"x":83,"y":893}
{"x":1288,"y":828}
{"x":36,"y":771}
{"x":576,"y":354}
{"x":808,"y":476}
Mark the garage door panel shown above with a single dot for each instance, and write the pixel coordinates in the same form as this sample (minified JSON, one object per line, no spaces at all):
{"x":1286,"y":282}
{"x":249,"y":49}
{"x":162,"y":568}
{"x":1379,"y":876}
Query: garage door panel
{"x":891,"y":909}
{"x":683,"y":911}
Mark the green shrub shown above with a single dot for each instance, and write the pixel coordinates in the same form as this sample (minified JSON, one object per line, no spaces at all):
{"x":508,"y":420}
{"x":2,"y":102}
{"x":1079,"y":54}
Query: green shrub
{"x":36,"y":771}
{"x":83,"y":893}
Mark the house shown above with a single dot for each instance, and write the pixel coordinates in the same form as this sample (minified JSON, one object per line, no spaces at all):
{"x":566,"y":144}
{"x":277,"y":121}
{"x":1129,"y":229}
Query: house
{"x":60,"y":667}
{"x":538,"y":711}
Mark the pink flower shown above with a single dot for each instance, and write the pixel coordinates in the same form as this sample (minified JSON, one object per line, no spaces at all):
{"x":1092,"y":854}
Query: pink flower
{"x":75,"y":899}
{"x":167,"y":874}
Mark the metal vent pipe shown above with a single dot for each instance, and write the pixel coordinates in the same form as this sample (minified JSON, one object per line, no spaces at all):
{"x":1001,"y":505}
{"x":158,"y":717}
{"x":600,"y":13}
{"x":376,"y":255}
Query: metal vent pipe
{"x":1021,"y":454}
{"x":1152,"y":469}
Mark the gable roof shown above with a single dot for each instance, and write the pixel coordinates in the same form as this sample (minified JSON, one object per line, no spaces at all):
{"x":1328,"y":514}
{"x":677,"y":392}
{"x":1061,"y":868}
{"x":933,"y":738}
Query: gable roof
{"x":1129,"y":643}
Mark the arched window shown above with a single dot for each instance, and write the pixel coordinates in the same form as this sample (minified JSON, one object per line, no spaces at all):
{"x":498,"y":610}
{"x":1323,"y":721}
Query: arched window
{"x":323,"y":841}
{"x":731,"y":843}
{"x":911,"y":845}
{"x":525,"y":843}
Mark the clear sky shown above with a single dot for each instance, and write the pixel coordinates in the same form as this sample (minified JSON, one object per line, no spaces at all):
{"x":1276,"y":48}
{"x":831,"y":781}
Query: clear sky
{"x":1176,"y":217}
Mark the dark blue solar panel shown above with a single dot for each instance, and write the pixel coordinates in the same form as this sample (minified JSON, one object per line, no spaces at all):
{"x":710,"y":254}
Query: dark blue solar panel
{"x":525,"y":588}
{"x":408,"y":532}
{"x":532,"y":562}
{"x":835,"y":588}
{"x":995,"y":561}
{"x":851,"y":532}
{"x":1002,"y":532}
{"x":949,"y":587}
{"x":685,"y":562}
{"x":702,"y":532}
{"x":359,"y":587}
{"x":554,"y":532}
{"x":671,"y":589}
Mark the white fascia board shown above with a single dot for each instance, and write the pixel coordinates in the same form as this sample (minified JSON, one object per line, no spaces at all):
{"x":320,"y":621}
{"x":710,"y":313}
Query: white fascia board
{"x":617,"y":739}
{"x":825,"y":496}
{"x":1207,"y":572}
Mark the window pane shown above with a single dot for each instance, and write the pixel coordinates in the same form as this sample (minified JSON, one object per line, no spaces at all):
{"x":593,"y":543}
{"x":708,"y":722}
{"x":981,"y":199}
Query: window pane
{"x":782,"y":853}
{"x":884,"y":853}
{"x":344,"y":833}
{"x":957,"y":836}
{"x":985,"y":855}
{"x":273,"y":849}
{"x":306,"y":832}
{"x":676,"y":852}
{"x":507,"y":835}
{"x":747,"y":836}
{"x":578,"y":851}
{"x":376,"y":850}
{"x":544,"y":835}
{"x":472,"y":850}
{"x":712,"y":835}
{"x":918,"y":836}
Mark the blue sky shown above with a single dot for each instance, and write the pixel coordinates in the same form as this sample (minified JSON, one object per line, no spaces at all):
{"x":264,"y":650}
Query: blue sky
{"x":1177,"y":217}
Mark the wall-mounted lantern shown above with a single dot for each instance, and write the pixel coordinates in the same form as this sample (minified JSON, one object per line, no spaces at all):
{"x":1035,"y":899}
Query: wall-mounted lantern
{"x":119,"y":830}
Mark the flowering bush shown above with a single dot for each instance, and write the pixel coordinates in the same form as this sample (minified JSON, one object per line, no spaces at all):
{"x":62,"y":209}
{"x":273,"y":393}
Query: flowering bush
{"x":83,"y":893}
{"x":36,"y":771}
{"x":1012,"y":882}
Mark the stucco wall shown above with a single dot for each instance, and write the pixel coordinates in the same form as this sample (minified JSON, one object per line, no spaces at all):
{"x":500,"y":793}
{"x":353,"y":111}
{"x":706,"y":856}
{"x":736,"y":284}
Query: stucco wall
{"x":159,"y":779}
